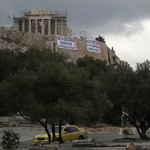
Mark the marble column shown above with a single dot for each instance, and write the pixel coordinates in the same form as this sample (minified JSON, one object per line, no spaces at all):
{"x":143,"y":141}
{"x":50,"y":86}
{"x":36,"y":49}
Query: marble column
{"x":36,"y":26}
{"x":55,"y":26}
{"x":17,"y":25}
{"x":23,"y":25}
{"x":29,"y":29}
{"x":43,"y":26}
{"x":49,"y":27}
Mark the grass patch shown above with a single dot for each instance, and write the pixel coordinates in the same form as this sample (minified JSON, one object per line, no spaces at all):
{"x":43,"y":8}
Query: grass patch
{"x":127,"y":139}
{"x":10,"y":41}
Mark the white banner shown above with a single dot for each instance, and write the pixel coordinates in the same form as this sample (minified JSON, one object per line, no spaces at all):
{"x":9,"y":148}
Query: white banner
{"x":94,"y":46}
{"x":67,"y":43}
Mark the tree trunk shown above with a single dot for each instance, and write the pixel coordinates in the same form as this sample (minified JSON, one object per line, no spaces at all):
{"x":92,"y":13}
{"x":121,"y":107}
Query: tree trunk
{"x":49,"y":135}
{"x":142,"y":131}
{"x":53,"y":130}
{"x":45,"y":126}
{"x":60,"y":138}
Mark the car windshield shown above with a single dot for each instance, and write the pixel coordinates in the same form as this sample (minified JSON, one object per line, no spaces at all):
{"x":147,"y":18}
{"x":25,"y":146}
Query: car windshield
{"x":56,"y":129}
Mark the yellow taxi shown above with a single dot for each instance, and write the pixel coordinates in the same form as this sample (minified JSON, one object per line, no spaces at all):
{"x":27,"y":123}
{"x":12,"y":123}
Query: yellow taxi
{"x":68,"y":133}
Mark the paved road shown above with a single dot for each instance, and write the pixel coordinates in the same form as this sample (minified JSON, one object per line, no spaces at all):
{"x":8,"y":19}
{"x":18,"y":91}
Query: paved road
{"x":27,"y":134}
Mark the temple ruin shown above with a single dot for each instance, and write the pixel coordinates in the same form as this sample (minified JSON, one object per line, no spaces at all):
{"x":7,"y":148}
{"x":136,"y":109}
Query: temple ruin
{"x":42,"y":22}
{"x":40,"y":29}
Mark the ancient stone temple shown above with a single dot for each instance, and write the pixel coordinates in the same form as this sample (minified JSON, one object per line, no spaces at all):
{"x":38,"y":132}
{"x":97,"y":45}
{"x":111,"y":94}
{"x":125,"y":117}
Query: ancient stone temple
{"x":42,"y":22}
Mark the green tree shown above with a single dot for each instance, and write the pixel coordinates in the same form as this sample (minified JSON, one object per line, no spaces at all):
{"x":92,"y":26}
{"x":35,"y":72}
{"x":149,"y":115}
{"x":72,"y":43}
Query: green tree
{"x":100,"y":38}
{"x":54,"y":89}
{"x":92,"y":66}
{"x":136,"y":104}
{"x":128,"y":90}
{"x":113,"y":84}
{"x":12,"y":61}
{"x":19,"y":87}
{"x":8,"y":64}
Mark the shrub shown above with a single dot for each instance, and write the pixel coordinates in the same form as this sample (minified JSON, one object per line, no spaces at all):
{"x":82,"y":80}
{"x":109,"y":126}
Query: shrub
{"x":112,"y":118}
{"x":125,"y":132}
{"x":10,"y":139}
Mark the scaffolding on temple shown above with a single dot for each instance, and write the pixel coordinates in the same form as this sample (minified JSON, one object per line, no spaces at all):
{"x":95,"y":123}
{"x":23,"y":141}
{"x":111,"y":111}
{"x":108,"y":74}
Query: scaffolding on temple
{"x":21,"y":14}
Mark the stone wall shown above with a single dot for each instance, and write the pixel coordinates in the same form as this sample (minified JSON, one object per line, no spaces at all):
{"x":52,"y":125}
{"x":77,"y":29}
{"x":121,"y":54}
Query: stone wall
{"x":40,"y":41}
{"x":30,"y":39}
{"x":16,"y":36}
{"x":36,"y":40}
{"x":83,"y":51}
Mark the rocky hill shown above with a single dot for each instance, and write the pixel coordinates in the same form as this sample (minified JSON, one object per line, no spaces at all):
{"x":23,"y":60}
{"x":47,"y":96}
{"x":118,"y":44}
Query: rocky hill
{"x":9,"y":44}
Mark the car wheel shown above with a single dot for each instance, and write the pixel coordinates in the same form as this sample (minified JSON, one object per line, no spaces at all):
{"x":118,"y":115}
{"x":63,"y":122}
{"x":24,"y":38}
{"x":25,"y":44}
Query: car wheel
{"x":81,"y":137}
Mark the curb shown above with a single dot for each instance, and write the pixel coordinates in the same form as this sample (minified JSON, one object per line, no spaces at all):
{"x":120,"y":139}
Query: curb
{"x":93,"y":148}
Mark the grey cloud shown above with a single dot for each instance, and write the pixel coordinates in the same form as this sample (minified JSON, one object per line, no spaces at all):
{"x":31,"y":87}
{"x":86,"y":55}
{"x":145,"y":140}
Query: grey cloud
{"x":110,"y":17}
{"x":105,"y":16}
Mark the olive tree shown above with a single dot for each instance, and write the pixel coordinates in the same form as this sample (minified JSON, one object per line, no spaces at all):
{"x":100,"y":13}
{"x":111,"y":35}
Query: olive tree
{"x":128,"y":90}
{"x":136,"y":104}
{"x":50,"y":87}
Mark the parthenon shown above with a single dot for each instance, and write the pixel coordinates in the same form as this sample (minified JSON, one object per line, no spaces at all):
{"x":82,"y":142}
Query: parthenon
{"x":42,"y":22}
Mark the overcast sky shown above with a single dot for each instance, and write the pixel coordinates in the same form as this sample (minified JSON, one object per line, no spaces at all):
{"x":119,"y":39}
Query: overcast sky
{"x":125,"y":24}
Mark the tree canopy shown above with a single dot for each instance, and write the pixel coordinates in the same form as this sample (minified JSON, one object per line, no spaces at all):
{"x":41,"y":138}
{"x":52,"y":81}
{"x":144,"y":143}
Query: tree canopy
{"x":128,"y":90}
{"x":135,"y":102}
{"x":46,"y":85}
{"x":91,"y":66}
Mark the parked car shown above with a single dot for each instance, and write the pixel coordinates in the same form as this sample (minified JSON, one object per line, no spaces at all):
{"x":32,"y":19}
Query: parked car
{"x":68,"y":133}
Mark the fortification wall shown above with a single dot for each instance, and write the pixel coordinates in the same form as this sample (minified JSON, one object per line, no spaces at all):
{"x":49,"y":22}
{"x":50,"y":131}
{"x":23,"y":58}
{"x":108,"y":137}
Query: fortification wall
{"x":30,"y":39}
{"x":39,"y":41}
{"x":83,"y":51}
{"x":36,"y":40}
{"x":15,"y":36}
